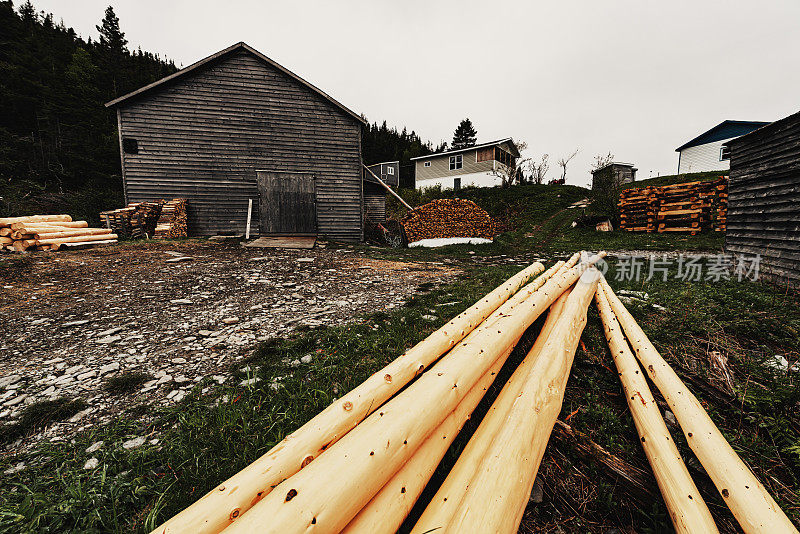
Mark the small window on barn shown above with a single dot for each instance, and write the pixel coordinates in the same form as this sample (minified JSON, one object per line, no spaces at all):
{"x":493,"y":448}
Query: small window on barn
{"x":724,"y":153}
{"x":456,"y":162}
{"x":390,"y":171}
{"x":130,"y":145}
{"x":427,"y":163}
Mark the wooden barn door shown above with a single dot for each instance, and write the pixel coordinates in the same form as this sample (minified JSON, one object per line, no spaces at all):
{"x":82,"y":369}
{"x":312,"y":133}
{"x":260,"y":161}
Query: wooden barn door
{"x":287,"y":203}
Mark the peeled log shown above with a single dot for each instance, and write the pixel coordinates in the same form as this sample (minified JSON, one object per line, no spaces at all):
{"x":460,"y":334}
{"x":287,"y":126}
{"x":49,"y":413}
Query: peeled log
{"x":57,"y":234}
{"x":333,"y":488}
{"x":387,"y":510}
{"x":687,"y":509}
{"x":390,"y":506}
{"x":751,"y":504}
{"x":229,"y":500}
{"x":498,"y":494}
{"x":51,"y":224}
{"x":7,"y":221}
{"x":444,"y":504}
{"x":5,"y":240}
{"x":77,"y":239}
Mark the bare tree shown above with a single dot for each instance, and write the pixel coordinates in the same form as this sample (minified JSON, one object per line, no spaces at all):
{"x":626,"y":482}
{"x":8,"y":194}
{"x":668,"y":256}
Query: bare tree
{"x":513,"y":173}
{"x":563,"y":162}
{"x":539,"y":170}
{"x":601,"y":161}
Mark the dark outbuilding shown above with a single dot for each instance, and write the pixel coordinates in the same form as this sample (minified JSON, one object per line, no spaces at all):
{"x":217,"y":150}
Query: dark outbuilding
{"x":237,"y":126}
{"x":764,"y":199}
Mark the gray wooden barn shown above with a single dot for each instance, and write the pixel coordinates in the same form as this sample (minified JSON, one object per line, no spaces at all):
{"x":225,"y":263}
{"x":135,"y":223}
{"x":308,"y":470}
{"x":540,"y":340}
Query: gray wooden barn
{"x":237,"y":126}
{"x":764,"y":199}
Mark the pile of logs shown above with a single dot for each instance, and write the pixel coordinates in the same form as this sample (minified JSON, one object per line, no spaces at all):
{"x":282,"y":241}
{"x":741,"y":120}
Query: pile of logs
{"x":50,"y":232}
{"x":361,"y":464}
{"x":443,"y":218}
{"x":690,"y":207}
{"x":172,"y":220}
{"x":143,"y":220}
{"x":135,"y":221}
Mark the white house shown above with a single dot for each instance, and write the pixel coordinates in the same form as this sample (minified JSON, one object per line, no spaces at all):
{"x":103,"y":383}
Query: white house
{"x":706,"y":152}
{"x":480,"y":165}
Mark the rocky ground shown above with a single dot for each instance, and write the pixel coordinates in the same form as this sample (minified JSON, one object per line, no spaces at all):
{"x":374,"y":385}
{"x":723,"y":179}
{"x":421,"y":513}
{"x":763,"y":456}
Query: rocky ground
{"x":175,"y":312}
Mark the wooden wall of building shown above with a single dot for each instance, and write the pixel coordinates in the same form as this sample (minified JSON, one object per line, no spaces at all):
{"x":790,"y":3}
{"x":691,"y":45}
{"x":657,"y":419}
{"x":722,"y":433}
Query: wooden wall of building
{"x":374,"y":202}
{"x":204,"y":135}
{"x":764,"y":199}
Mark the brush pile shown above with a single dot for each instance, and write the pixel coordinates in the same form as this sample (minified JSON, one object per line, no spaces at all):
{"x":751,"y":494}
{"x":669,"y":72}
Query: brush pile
{"x":50,"y":232}
{"x":445,"y":218}
{"x":691,"y":207}
{"x":144,"y":220}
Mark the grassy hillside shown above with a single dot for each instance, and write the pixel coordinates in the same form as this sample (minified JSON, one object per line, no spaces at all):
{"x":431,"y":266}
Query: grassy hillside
{"x":539,"y":218}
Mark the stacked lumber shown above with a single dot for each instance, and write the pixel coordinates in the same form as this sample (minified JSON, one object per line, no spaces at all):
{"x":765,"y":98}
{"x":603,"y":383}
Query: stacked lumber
{"x":444,"y":218}
{"x":689,"y":207}
{"x":360,"y":464}
{"x":172,"y":220}
{"x":50,"y":232}
{"x":638,"y":209}
{"x":135,"y":221}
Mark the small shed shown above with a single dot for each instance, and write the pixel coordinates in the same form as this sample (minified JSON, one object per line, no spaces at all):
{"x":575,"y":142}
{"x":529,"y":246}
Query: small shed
{"x":374,"y":193}
{"x":236,"y":126}
{"x":620,"y":173}
{"x":764,"y":199}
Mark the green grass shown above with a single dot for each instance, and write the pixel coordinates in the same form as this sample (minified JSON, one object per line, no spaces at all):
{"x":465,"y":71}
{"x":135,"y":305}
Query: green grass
{"x":203,"y":440}
{"x":126,"y":382}
{"x":38,"y":415}
{"x":676,"y":179}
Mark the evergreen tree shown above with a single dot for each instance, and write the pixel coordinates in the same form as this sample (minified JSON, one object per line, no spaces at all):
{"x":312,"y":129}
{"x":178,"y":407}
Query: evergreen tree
{"x":111,"y":36}
{"x":465,"y":135}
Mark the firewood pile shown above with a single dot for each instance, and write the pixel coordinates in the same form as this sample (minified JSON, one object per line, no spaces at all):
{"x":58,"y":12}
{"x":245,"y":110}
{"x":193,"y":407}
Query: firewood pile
{"x":172,"y":221}
{"x":50,"y":232}
{"x":443,"y":218}
{"x":361,"y":464}
{"x":135,"y":221}
{"x":142,"y":220}
{"x":691,"y":207}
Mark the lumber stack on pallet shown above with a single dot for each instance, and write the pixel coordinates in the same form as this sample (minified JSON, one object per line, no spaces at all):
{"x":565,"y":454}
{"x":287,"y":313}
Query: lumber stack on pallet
{"x":444,"y":218}
{"x":638,"y":209}
{"x":689,"y":207}
{"x":50,"y":232}
{"x":172,"y":220}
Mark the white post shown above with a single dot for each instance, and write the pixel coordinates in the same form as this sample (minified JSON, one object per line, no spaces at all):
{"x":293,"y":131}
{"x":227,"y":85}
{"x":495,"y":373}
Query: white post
{"x":249,"y":216}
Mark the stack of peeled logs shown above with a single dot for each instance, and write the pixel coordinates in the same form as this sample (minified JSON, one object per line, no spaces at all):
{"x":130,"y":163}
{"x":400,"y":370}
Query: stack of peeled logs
{"x":50,"y":232}
{"x":360,"y":465}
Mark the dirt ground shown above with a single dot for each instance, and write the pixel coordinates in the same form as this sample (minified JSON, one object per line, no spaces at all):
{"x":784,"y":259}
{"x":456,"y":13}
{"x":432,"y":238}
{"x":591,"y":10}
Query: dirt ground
{"x":177,"y":312}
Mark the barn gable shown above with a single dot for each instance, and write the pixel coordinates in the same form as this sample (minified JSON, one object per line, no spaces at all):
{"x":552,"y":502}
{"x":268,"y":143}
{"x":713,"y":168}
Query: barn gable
{"x":203,"y":133}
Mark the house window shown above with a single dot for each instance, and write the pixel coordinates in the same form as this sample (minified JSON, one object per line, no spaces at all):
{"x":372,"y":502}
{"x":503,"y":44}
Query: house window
{"x":724,"y":153}
{"x":427,"y":163}
{"x":456,"y":162}
{"x":456,"y":184}
{"x":130,"y":145}
{"x":390,"y":171}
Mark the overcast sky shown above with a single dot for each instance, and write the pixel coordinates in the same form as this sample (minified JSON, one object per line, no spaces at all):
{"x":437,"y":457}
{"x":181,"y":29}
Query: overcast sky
{"x":634,"y":77}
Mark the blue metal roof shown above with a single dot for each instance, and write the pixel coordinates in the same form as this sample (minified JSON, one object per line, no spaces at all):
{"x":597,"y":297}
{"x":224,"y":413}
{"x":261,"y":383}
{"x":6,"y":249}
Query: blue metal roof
{"x":723,"y":130}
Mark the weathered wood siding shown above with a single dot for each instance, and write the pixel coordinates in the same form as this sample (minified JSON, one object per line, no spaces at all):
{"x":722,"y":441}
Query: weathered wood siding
{"x":374,"y":202}
{"x":764,"y":199}
{"x":204,"y":136}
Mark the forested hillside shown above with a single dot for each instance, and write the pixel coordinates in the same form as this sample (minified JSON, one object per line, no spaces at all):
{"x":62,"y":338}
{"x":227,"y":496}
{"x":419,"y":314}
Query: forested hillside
{"x":58,"y":143}
{"x":381,"y":143}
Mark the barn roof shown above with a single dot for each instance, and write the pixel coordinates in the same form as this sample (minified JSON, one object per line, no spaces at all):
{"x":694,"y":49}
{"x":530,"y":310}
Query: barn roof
{"x":723,"y":130}
{"x":210,"y":60}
